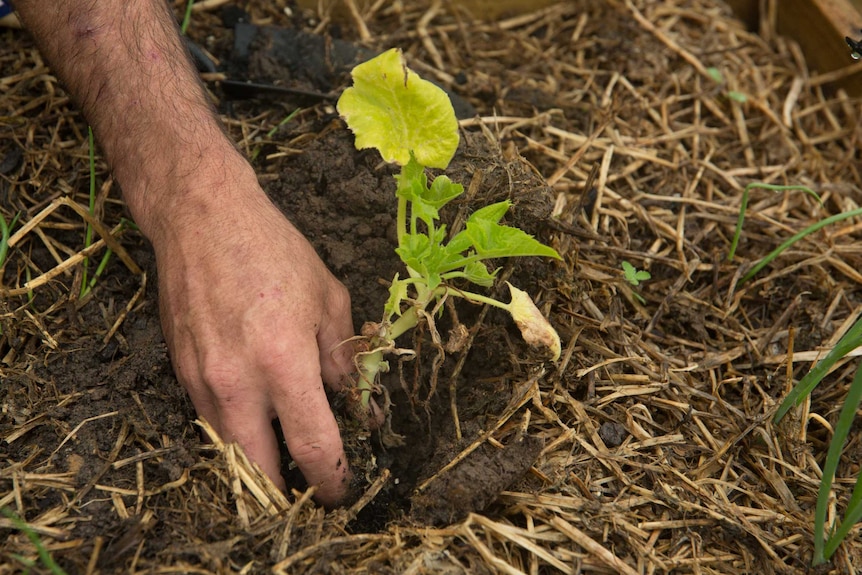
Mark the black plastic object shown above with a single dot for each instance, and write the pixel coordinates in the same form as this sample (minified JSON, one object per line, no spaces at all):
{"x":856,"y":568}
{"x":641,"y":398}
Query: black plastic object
{"x":270,"y":61}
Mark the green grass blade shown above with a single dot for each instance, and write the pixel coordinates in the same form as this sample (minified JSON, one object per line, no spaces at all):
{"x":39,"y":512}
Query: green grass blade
{"x":102,"y":265}
{"x":851,"y":518}
{"x":842,"y":428}
{"x":4,"y":240}
{"x":856,"y":497}
{"x":807,"y":231}
{"x":187,"y":17}
{"x":88,"y":235}
{"x":22,"y":526}
{"x":274,"y":129}
{"x":850,"y":341}
{"x":744,"y":205}
{"x":5,"y":233}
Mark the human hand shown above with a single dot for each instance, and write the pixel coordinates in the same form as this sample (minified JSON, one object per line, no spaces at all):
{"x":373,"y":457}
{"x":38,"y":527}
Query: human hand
{"x":253,"y":319}
{"x":251,"y":316}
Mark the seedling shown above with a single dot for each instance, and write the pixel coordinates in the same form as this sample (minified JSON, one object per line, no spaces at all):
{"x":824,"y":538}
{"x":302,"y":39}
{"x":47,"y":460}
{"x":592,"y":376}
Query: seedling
{"x":718,"y":78}
{"x":633,"y":275}
{"x":410,"y":121}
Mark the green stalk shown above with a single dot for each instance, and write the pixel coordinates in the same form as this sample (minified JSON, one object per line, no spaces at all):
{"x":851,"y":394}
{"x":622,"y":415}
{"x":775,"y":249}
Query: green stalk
{"x":477,"y":298}
{"x":5,"y":232}
{"x":88,"y":235}
{"x":22,"y":526}
{"x":744,"y":205}
{"x":401,"y":220}
{"x":101,"y":268}
{"x":187,"y":17}
{"x":371,"y":363}
{"x":798,"y":236}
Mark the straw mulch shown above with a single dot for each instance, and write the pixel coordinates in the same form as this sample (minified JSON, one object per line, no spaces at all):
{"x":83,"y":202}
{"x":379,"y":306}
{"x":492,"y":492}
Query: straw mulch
{"x":660,"y":455}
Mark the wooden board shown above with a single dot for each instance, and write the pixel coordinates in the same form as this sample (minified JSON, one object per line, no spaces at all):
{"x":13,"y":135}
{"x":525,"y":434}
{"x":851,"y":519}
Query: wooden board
{"x":819,"y":27}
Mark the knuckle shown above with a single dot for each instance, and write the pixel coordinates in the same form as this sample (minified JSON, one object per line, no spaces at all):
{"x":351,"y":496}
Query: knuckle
{"x":224,"y":382}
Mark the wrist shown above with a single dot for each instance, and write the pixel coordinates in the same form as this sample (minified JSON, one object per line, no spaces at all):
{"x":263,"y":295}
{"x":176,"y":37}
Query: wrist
{"x":190,"y":191}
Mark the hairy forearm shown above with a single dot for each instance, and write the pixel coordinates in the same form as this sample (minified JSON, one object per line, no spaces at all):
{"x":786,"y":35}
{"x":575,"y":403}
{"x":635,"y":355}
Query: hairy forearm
{"x":124,"y":64}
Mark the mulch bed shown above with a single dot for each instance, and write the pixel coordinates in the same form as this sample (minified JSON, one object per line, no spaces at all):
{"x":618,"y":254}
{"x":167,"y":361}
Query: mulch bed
{"x":623,"y":131}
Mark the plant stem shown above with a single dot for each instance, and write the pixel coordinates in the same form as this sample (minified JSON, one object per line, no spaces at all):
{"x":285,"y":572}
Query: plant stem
{"x":88,"y":235}
{"x":476,"y":298}
{"x":798,"y":236}
{"x":4,"y":239}
{"x":24,"y":527}
{"x":370,"y":363}
{"x":744,"y":204}
{"x":401,"y":218}
{"x":187,"y":17}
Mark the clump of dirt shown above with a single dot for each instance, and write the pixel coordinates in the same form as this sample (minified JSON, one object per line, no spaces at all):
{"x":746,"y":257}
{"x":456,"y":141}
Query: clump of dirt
{"x":475,"y":482}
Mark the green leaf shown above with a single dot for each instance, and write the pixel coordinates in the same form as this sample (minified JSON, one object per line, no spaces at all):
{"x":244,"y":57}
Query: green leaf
{"x":744,"y":204}
{"x":478,"y":273}
{"x":425,"y":201}
{"x":633,"y":275}
{"x":630,"y":272}
{"x":413,"y":249}
{"x":737,"y":96}
{"x":492,"y":213}
{"x":392,"y":109}
{"x":491,"y":240}
{"x":442,"y":191}
{"x":830,"y":466}
{"x":411,"y":182}
{"x":848,"y":342}
{"x":851,"y":518}
{"x":397,"y":294}
{"x":428,"y":256}
{"x":715,"y":74}
{"x":459,"y":243}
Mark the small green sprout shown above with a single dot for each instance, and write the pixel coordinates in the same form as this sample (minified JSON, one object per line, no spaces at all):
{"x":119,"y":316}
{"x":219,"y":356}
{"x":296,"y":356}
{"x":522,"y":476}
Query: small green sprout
{"x":633,"y":275}
{"x":737,"y":96}
{"x":411,"y":122}
{"x":717,"y":77}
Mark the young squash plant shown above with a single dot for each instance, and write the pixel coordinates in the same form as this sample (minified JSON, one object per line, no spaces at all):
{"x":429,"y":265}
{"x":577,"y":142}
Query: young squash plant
{"x":411,"y":122}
